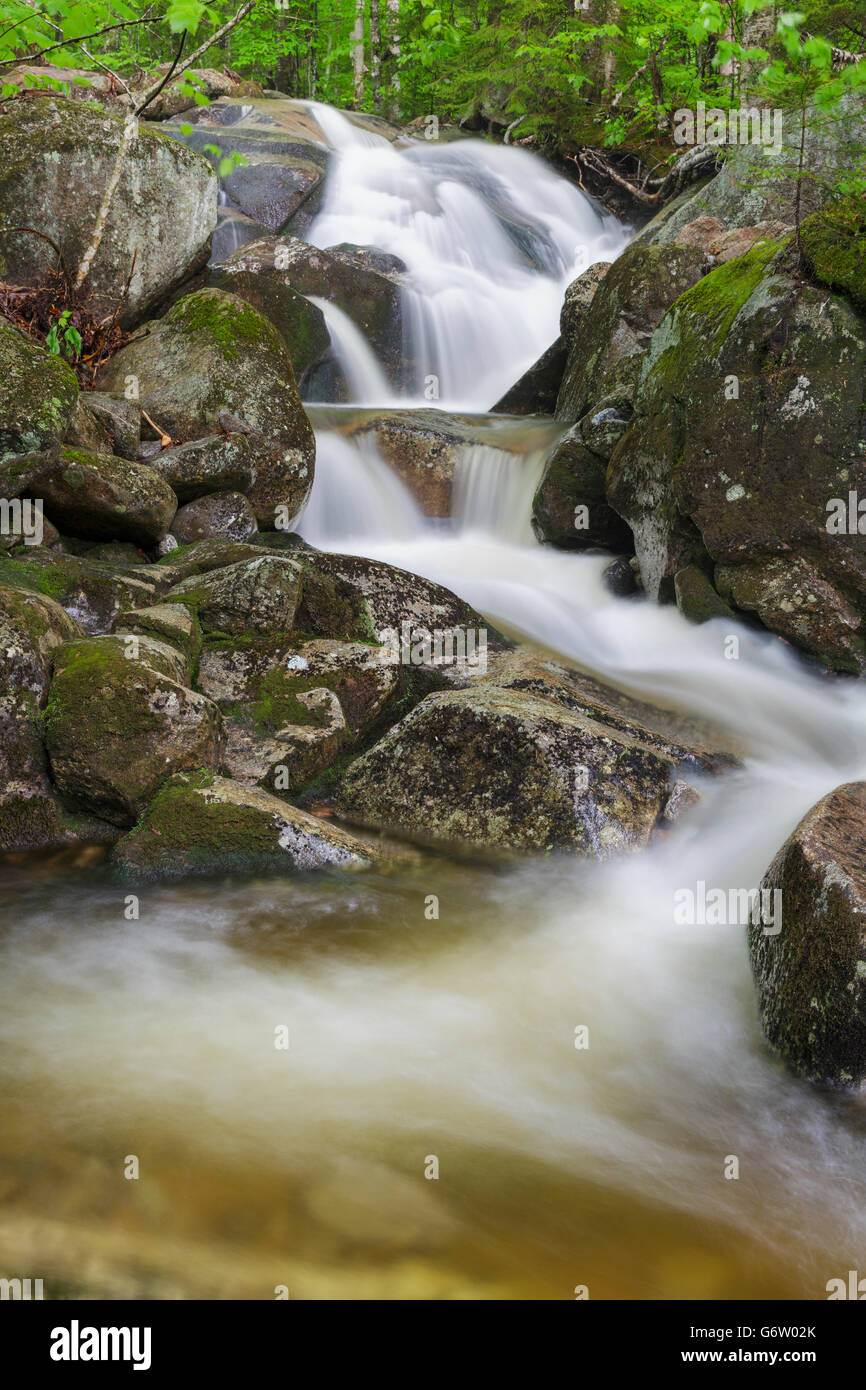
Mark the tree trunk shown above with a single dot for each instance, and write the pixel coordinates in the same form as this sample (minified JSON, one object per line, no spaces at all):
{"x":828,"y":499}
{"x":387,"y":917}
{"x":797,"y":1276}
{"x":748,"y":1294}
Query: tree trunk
{"x":392,"y":40}
{"x":376,"y":54}
{"x":313,"y":58}
{"x":356,"y":42}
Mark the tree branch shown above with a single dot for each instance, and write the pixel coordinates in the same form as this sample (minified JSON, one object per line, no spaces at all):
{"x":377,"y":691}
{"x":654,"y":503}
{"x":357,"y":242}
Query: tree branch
{"x":70,"y":43}
{"x":203,"y":48}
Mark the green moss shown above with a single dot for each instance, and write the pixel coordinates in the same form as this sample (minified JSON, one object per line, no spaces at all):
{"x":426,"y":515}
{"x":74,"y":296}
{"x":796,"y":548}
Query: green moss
{"x":278,"y":705}
{"x":834,"y":245}
{"x":719,"y":297}
{"x":228,"y":321}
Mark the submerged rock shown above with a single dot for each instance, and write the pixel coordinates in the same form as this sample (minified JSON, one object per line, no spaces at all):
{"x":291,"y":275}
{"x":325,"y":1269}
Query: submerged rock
{"x":203,"y":824}
{"x":811,"y":975}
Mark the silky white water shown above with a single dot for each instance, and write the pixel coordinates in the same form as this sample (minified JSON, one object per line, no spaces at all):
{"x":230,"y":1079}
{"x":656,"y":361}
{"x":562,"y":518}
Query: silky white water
{"x":452,"y":1037}
{"x":490,"y":237}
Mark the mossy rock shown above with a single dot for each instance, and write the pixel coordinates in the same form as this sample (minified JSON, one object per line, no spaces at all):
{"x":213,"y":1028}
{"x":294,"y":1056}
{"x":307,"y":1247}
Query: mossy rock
{"x":168,"y":622}
{"x":811,"y":974}
{"x":834,"y":245}
{"x":202,"y":824}
{"x":570,"y":508}
{"x":115,"y":728}
{"x":255,"y":597}
{"x":57,"y":156}
{"x":100,"y":496}
{"x":38,"y":392}
{"x":91,"y":592}
{"x":211,"y":353}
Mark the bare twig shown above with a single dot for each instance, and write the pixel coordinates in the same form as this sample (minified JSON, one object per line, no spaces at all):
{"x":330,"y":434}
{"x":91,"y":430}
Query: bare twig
{"x":154,"y":91}
{"x":70,"y":43}
{"x":52,"y":243}
{"x":203,"y":48}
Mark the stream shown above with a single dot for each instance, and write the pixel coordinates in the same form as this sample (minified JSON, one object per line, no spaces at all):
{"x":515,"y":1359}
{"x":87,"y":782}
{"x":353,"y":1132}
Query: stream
{"x":454,"y":1038}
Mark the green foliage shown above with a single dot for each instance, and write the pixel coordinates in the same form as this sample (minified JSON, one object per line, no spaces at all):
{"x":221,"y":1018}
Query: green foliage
{"x":834,"y":246}
{"x":64,"y":339}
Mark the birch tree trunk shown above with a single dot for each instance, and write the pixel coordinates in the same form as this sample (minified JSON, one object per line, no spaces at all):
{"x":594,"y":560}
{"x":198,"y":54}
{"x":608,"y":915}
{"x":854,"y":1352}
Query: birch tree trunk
{"x":356,"y":42}
{"x":392,"y":38}
{"x":376,"y":54}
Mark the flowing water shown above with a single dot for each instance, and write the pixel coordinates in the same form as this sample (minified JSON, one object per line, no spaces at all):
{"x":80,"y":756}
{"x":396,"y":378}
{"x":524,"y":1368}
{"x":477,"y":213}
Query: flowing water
{"x":413,"y":1039}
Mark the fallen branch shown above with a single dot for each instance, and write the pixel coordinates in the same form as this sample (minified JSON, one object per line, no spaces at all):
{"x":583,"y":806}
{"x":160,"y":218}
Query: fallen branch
{"x":654,"y":191}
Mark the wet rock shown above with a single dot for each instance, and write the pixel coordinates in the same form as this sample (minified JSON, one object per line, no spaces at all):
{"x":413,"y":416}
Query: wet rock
{"x":90,"y":591}
{"x":748,"y":423}
{"x":38,"y":393}
{"x":258,"y":596}
{"x":570,"y":508}
{"x":619,"y":578}
{"x":217,"y":463}
{"x":212,"y":352}
{"x":811,"y":975}
{"x":99,"y":495}
{"x":533,"y":757}
{"x":697,"y":600}
{"x":538,"y":388}
{"x":578,"y":297}
{"x":57,"y":156}
{"x":116,"y":727}
{"x":203,"y":824}
{"x":219,"y":514}
{"x":614,"y":331}
{"x":272,"y":274}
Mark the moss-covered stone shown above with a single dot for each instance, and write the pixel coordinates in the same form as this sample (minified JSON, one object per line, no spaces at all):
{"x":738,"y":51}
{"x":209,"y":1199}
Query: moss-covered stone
{"x":92,"y":592}
{"x":38,"y":393}
{"x":57,"y":156}
{"x":834,"y":244}
{"x":116,"y":728}
{"x":213,"y":353}
{"x":749,"y":421}
{"x":98,"y":495}
{"x":207,"y":825}
{"x":697,"y":600}
{"x":811,"y":974}
{"x":256,"y":596}
{"x":168,"y":622}
{"x":217,"y":463}
{"x":503,"y":769}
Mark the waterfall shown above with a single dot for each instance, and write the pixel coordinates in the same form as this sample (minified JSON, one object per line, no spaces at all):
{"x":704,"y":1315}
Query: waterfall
{"x":493,"y":491}
{"x":365,"y":379}
{"x":356,"y":496}
{"x":490,"y":237}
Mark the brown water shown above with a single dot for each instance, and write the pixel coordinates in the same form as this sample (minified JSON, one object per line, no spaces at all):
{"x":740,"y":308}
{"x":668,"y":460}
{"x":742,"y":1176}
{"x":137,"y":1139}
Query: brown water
{"x":408,"y":1038}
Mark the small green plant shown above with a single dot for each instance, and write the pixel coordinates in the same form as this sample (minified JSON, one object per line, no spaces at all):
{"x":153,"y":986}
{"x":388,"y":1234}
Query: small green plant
{"x":64,"y":339}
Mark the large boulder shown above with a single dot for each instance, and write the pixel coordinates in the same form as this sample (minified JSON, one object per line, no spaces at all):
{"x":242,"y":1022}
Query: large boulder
{"x":258,"y":596}
{"x":276,"y":273}
{"x":615,"y":329}
{"x":118,"y":722}
{"x":38,"y":392}
{"x":98,"y":495}
{"x":58,"y":158}
{"x":202,"y":824}
{"x":532,"y":757}
{"x":213,"y":353}
{"x":93,"y":592}
{"x":216,"y":463}
{"x":748,"y":423}
{"x":285,"y":151}
{"x":811,"y":974}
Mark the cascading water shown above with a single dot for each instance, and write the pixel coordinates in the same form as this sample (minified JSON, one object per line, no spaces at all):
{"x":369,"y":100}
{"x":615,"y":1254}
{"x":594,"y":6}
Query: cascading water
{"x":490,"y":237}
{"x":453,"y":1037}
